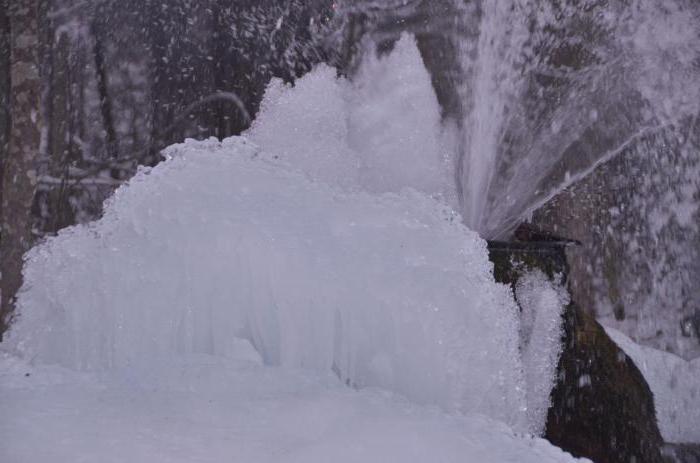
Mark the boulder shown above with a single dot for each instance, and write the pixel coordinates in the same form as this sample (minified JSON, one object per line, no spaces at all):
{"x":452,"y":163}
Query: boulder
{"x":601,"y":405}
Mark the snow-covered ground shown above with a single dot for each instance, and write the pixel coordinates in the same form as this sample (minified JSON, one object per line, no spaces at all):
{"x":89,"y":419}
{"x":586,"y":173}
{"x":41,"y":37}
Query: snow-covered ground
{"x":209,"y":409}
{"x":675,"y":383}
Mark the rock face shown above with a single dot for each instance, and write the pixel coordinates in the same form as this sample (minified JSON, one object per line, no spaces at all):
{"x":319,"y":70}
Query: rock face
{"x":602,"y":407}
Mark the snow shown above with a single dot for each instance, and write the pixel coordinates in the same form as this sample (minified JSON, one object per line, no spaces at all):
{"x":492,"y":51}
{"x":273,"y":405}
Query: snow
{"x":210,"y":409}
{"x":675,"y":383}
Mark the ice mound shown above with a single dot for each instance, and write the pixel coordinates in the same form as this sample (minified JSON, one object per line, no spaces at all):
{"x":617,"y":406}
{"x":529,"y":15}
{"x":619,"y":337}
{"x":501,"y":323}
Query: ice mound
{"x":380,"y":132}
{"x":221,"y":242}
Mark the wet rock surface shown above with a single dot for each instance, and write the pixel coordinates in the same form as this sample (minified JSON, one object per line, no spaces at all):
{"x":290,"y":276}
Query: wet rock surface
{"x":602,"y":407}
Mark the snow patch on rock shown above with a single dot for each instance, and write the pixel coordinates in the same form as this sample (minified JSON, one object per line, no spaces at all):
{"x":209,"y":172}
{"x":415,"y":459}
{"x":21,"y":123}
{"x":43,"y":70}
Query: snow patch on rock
{"x":675,"y":383}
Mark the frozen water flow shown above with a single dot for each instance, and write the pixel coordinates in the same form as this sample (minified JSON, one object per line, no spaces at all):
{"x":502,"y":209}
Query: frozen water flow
{"x":542,"y":303}
{"x":219,"y":243}
{"x":379,"y":133}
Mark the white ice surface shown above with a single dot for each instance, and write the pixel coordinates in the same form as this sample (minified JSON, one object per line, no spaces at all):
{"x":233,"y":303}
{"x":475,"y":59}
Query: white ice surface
{"x":675,"y":383}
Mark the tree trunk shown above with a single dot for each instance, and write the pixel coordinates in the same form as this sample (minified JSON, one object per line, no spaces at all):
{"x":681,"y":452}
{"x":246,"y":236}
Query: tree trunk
{"x":161,"y":107}
{"x":4,"y":86}
{"x":20,"y":177}
{"x":103,"y":89}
